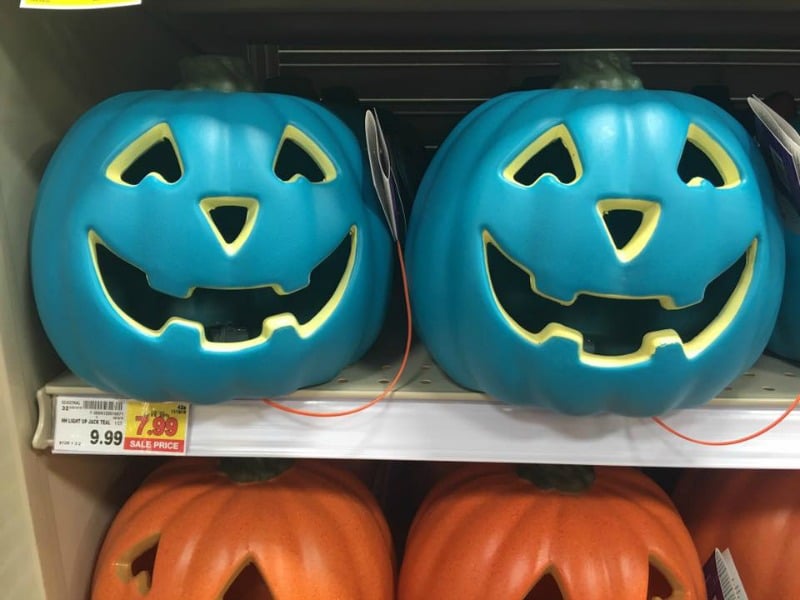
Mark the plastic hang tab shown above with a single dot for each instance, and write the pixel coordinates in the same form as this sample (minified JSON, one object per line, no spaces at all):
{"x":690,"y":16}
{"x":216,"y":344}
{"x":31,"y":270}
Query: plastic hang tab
{"x":384,"y":178}
{"x":780,"y":143}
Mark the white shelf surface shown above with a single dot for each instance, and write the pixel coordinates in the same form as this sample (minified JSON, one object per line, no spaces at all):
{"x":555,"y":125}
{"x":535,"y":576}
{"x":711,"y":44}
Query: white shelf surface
{"x":430,"y":418}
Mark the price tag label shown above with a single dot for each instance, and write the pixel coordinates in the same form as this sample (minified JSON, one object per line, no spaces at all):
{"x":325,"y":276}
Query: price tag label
{"x":159,"y":428}
{"x":116,"y":426}
{"x":76,"y":4}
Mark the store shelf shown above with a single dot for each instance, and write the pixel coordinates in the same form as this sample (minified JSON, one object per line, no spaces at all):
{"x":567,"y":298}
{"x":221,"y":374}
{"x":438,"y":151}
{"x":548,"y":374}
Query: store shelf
{"x":234,"y":6}
{"x":214,"y":25}
{"x":431,"y":418}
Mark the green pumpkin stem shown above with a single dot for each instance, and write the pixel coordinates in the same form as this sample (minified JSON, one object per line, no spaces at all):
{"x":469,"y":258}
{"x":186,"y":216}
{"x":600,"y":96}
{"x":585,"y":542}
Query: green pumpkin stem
{"x":253,"y":470}
{"x":598,"y":70}
{"x":570,"y":479}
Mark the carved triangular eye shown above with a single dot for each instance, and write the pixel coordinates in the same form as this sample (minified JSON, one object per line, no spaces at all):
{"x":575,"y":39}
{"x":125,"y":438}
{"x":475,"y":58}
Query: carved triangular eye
{"x":552,"y":153}
{"x":139,"y":564}
{"x":249,"y":584}
{"x":300,"y":156}
{"x":545,"y":589}
{"x":153,"y":153}
{"x":658,"y":586}
{"x":145,"y":562}
{"x":703,"y":158}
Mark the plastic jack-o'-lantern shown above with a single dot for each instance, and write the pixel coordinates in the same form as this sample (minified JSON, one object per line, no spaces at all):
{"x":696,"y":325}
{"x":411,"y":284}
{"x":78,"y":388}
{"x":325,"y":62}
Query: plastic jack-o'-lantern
{"x":247,"y":529}
{"x":785,"y":340}
{"x":755,"y":514}
{"x":204,"y":246}
{"x":596,"y":250}
{"x":547,"y":533}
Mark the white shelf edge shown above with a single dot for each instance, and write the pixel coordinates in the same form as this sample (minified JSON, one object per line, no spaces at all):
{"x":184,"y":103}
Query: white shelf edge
{"x":438,"y":420}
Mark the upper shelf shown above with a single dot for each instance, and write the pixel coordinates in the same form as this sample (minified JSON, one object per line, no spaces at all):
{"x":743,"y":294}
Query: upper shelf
{"x":430,"y":418}
{"x":234,"y":6}
{"x":216,"y":26}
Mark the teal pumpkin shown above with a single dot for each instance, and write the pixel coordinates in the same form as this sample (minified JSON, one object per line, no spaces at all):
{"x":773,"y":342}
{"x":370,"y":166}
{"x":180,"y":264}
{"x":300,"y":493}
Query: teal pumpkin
{"x":785,"y":340}
{"x":205,"y":246}
{"x":596,"y":250}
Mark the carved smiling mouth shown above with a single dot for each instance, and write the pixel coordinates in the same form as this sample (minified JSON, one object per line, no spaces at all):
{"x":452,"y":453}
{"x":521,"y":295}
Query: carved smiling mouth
{"x":614,"y":330}
{"x":226,"y":318}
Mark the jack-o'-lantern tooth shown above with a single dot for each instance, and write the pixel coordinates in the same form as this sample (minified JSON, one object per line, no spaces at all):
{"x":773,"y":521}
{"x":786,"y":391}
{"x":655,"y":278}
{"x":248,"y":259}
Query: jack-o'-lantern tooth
{"x":166,"y":284}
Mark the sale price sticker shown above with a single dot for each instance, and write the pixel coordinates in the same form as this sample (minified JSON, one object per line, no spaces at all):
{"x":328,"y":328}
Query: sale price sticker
{"x":159,"y":428}
{"x":116,"y":426}
{"x":76,"y":4}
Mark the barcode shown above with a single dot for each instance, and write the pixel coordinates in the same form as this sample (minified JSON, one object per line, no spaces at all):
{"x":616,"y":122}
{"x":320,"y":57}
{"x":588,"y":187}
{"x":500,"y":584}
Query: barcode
{"x":105,"y":405}
{"x":728,"y":590}
{"x":730,"y":584}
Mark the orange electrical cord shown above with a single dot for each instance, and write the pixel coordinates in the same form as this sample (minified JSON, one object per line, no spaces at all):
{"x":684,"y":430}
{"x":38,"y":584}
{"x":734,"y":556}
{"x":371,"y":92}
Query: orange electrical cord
{"x":740,"y":440}
{"x":409,"y":333}
{"x":390,"y":386}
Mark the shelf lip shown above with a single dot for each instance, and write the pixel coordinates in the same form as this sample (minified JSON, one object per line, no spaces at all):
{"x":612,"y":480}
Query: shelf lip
{"x":442,"y":422}
{"x":223,"y":27}
{"x":422,"y":6}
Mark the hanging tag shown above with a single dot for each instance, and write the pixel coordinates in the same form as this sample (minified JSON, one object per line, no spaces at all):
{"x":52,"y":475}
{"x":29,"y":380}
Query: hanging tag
{"x":76,"y":4}
{"x":780,"y":144}
{"x":117,"y":426}
{"x":383,"y":177}
{"x":722,"y":578}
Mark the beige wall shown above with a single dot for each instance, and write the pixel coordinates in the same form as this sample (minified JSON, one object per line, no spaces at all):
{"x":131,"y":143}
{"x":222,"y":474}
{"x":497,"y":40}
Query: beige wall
{"x":53,"y":65}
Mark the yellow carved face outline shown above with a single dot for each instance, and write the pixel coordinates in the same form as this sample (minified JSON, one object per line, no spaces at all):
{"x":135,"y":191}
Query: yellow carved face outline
{"x":626,"y":251}
{"x":270,"y":323}
{"x":651,"y":340}
{"x":118,"y":170}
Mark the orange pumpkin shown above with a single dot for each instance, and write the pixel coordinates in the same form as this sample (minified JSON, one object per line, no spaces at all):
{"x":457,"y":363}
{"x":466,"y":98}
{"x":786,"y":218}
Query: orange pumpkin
{"x":754,"y":513}
{"x":507,"y":533}
{"x":247,"y":529}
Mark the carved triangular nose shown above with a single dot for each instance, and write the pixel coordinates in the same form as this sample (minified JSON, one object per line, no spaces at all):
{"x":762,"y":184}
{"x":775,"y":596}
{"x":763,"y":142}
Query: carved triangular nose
{"x":231,"y":219}
{"x":630,"y":223}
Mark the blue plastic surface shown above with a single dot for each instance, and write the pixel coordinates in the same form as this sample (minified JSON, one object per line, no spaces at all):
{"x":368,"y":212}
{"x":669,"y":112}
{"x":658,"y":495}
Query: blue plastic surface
{"x":227,"y":145}
{"x":629,"y":146}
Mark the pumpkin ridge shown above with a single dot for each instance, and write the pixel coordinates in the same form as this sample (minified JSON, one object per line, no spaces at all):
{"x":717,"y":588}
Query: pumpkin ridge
{"x":362,"y":493}
{"x":602,"y":516}
{"x":545,"y":516}
{"x":460,"y":477}
{"x":318,"y":515}
{"x":624,"y":485}
{"x":335,"y":522}
{"x":214,"y":503}
{"x":434,"y":552}
{"x":480,"y":508}
{"x":138,"y":509}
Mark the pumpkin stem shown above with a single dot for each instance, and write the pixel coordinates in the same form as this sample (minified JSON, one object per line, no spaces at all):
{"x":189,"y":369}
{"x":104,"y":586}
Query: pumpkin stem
{"x":215,"y":72}
{"x":253,"y":470}
{"x":605,"y":70}
{"x":570,"y":479}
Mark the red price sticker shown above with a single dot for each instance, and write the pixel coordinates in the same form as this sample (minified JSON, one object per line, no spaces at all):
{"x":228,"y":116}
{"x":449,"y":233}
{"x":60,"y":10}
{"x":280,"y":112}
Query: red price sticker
{"x":76,"y":4}
{"x":156,"y":427}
